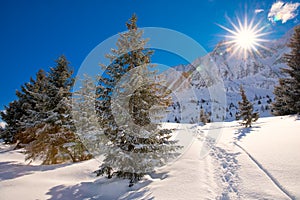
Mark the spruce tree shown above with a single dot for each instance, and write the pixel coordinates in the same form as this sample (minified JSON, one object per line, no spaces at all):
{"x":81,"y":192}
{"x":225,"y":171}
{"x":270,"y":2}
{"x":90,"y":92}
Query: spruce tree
{"x":246,"y":110}
{"x":281,"y":105}
{"x":22,"y":113}
{"x":40,"y":119}
{"x":287,"y":93}
{"x":30,"y":96}
{"x":10,"y":116}
{"x":136,"y":145}
{"x":59,"y":92}
{"x":85,"y":117}
{"x":49,"y":120}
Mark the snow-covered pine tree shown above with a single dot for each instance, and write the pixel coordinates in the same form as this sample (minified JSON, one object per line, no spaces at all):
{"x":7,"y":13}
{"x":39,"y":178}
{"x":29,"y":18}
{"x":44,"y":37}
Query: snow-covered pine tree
{"x":17,"y":114}
{"x":85,"y":117}
{"x":59,"y":91}
{"x":136,"y":146}
{"x":50,"y":119}
{"x":30,"y":96}
{"x":246,"y":110}
{"x":281,"y":105}
{"x":287,"y":93}
{"x":10,"y":116}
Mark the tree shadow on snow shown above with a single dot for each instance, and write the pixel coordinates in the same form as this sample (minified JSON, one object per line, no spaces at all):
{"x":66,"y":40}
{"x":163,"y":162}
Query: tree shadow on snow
{"x":104,"y":189}
{"x":11,"y":170}
{"x":243,"y":132}
{"x":157,"y":176}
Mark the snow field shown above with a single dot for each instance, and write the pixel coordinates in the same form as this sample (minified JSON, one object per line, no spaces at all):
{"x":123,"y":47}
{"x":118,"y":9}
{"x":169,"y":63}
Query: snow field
{"x":262,"y":162}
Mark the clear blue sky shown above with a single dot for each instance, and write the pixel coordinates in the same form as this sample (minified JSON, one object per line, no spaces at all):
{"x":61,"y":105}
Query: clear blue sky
{"x":34,"y":33}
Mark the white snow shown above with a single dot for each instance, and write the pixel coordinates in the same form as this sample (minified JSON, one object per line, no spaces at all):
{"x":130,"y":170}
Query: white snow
{"x":262,"y":162}
{"x":258,"y":74}
{"x":2,"y":124}
{"x":281,"y":156}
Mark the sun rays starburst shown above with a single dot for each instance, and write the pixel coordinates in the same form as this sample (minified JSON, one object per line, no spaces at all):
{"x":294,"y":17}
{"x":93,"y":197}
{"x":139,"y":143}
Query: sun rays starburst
{"x":245,"y":37}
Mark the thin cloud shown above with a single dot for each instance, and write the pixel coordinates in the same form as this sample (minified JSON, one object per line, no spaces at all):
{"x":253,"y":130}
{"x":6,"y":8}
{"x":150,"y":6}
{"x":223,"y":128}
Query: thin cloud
{"x":259,"y":11}
{"x":283,"y":12}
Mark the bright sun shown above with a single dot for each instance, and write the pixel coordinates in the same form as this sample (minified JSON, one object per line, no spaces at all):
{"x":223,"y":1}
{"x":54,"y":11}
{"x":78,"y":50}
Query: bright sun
{"x":245,"y":37}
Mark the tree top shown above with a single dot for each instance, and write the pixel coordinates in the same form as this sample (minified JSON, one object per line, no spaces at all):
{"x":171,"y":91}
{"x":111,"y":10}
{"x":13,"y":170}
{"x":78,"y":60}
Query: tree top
{"x":131,"y":24}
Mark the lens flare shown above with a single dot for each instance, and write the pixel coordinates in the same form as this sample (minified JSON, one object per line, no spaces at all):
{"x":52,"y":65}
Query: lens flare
{"x":245,"y":37}
{"x":277,"y":18}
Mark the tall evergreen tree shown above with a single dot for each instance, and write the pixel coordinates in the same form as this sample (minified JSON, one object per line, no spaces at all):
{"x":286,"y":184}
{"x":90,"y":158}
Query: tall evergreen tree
{"x":85,"y":117}
{"x":246,"y":110}
{"x":136,"y":145}
{"x":48,"y":120}
{"x":30,"y":96}
{"x":17,"y":114}
{"x":281,"y":105}
{"x":40,"y":119}
{"x":287,"y":93}
{"x":10,"y":116}
{"x":59,"y":92}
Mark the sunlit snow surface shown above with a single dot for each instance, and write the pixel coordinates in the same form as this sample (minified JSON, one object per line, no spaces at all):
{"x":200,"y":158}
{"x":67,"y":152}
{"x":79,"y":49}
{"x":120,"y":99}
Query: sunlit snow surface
{"x":262,"y":162}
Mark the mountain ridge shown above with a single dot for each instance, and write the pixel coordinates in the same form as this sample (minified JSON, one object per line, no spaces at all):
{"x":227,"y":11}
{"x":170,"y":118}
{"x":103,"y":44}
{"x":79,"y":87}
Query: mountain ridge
{"x":258,"y":73}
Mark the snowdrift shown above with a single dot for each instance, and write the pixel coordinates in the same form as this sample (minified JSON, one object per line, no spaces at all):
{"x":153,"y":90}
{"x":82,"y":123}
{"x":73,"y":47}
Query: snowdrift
{"x":262,"y":162}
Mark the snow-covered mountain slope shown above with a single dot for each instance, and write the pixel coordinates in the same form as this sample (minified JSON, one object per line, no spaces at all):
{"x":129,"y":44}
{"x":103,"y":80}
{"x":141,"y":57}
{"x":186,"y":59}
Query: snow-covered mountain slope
{"x":257,"y":70}
{"x":258,"y":73}
{"x":262,"y":162}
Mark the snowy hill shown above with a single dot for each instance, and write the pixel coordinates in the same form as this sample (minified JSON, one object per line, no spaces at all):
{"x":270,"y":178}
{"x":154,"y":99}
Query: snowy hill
{"x":262,"y":162}
{"x":257,"y":73}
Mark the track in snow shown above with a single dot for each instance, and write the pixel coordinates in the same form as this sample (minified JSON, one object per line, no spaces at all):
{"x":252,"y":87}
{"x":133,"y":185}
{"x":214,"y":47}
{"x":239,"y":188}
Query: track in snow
{"x":273,"y":179}
{"x":226,"y":170}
